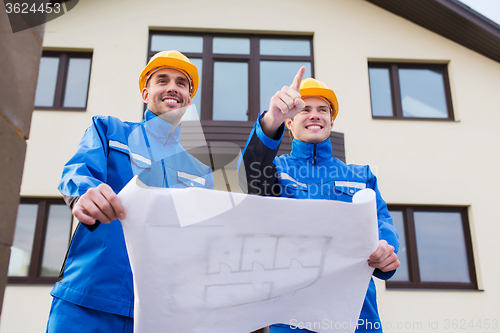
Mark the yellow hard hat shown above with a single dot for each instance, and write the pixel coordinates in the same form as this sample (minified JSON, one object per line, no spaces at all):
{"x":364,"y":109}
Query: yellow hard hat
{"x":173,"y":59}
{"x":313,"y":88}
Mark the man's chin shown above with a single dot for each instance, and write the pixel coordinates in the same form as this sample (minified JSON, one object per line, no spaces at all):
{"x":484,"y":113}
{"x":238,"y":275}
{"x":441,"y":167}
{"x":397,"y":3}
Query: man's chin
{"x":316,"y":138}
{"x":167,"y":109}
{"x":173,"y":115}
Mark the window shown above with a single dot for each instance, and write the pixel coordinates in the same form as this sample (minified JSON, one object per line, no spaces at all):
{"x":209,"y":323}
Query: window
{"x":41,"y":238}
{"x":63,"y":81}
{"x":410,"y":91}
{"x":238,"y":73}
{"x":435,"y":248}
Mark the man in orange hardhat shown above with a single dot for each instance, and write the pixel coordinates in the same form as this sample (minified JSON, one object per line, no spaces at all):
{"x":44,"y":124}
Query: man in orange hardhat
{"x":94,"y":292}
{"x":308,"y":108}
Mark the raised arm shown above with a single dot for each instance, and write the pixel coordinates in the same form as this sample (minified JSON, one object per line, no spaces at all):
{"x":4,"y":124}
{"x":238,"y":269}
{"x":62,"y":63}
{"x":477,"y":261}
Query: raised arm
{"x":256,"y":171}
{"x":285,"y":104}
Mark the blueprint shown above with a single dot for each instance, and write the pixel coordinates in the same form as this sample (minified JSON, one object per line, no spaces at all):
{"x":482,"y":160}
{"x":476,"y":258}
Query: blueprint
{"x":213,"y":261}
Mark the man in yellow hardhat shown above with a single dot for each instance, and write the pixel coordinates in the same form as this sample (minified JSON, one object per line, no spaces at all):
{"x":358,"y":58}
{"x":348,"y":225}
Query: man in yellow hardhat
{"x":94,"y":292}
{"x":308,"y":108}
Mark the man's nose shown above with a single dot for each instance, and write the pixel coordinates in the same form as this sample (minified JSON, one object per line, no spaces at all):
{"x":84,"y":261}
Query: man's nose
{"x":172,"y":87}
{"x":314,"y":114}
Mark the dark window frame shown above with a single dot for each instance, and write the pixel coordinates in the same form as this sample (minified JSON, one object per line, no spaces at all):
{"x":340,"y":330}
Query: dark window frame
{"x":397,"y":109}
{"x":35,"y":267}
{"x":411,"y":245}
{"x":253,"y":59}
{"x":62,"y":78}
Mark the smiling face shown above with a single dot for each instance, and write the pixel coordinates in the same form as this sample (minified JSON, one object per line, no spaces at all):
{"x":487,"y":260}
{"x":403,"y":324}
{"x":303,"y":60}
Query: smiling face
{"x":167,"y":90}
{"x":314,"y":123}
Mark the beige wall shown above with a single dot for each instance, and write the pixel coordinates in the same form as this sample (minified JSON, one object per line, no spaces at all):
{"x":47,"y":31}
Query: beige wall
{"x":26,"y":309}
{"x":417,"y":162}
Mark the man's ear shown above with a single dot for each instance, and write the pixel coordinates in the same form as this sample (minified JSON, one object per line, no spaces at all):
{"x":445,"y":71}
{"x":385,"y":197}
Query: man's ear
{"x":145,"y":95}
{"x":289,"y":123}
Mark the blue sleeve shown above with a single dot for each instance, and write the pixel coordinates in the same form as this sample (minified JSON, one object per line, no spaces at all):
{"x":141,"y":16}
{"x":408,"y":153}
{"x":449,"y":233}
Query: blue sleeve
{"x":88,"y":167}
{"x":256,"y":170}
{"x":271,"y":143}
{"x":386,"y":229}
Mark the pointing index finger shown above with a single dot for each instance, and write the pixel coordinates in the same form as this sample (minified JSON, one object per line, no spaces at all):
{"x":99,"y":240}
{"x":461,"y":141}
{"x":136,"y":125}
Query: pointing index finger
{"x":298,"y":78}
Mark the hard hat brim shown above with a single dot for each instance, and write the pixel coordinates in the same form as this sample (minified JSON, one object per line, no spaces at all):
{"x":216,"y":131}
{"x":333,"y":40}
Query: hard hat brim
{"x":325,"y":93}
{"x":190,"y":69}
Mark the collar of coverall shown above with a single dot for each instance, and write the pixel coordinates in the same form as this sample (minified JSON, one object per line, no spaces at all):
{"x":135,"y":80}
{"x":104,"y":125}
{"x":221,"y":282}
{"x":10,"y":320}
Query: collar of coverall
{"x":177,"y":69}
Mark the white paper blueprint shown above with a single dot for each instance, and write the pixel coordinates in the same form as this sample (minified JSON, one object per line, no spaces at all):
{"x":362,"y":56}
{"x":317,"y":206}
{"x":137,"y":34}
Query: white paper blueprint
{"x":209,"y":261}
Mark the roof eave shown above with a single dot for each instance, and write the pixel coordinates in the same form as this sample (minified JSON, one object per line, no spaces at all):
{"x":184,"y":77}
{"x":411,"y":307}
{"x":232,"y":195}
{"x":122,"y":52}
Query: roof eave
{"x":451,"y":19}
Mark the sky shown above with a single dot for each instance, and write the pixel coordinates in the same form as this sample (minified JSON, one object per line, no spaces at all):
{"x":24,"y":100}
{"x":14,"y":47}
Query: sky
{"x":488,"y":8}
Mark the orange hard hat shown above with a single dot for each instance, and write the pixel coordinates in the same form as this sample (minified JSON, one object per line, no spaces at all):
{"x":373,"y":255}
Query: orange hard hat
{"x":314,"y":88}
{"x":171,"y":59}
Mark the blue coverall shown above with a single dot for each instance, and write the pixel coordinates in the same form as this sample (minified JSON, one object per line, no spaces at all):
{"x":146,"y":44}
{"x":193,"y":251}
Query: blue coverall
{"x":96,"y":273}
{"x":311,"y":172}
